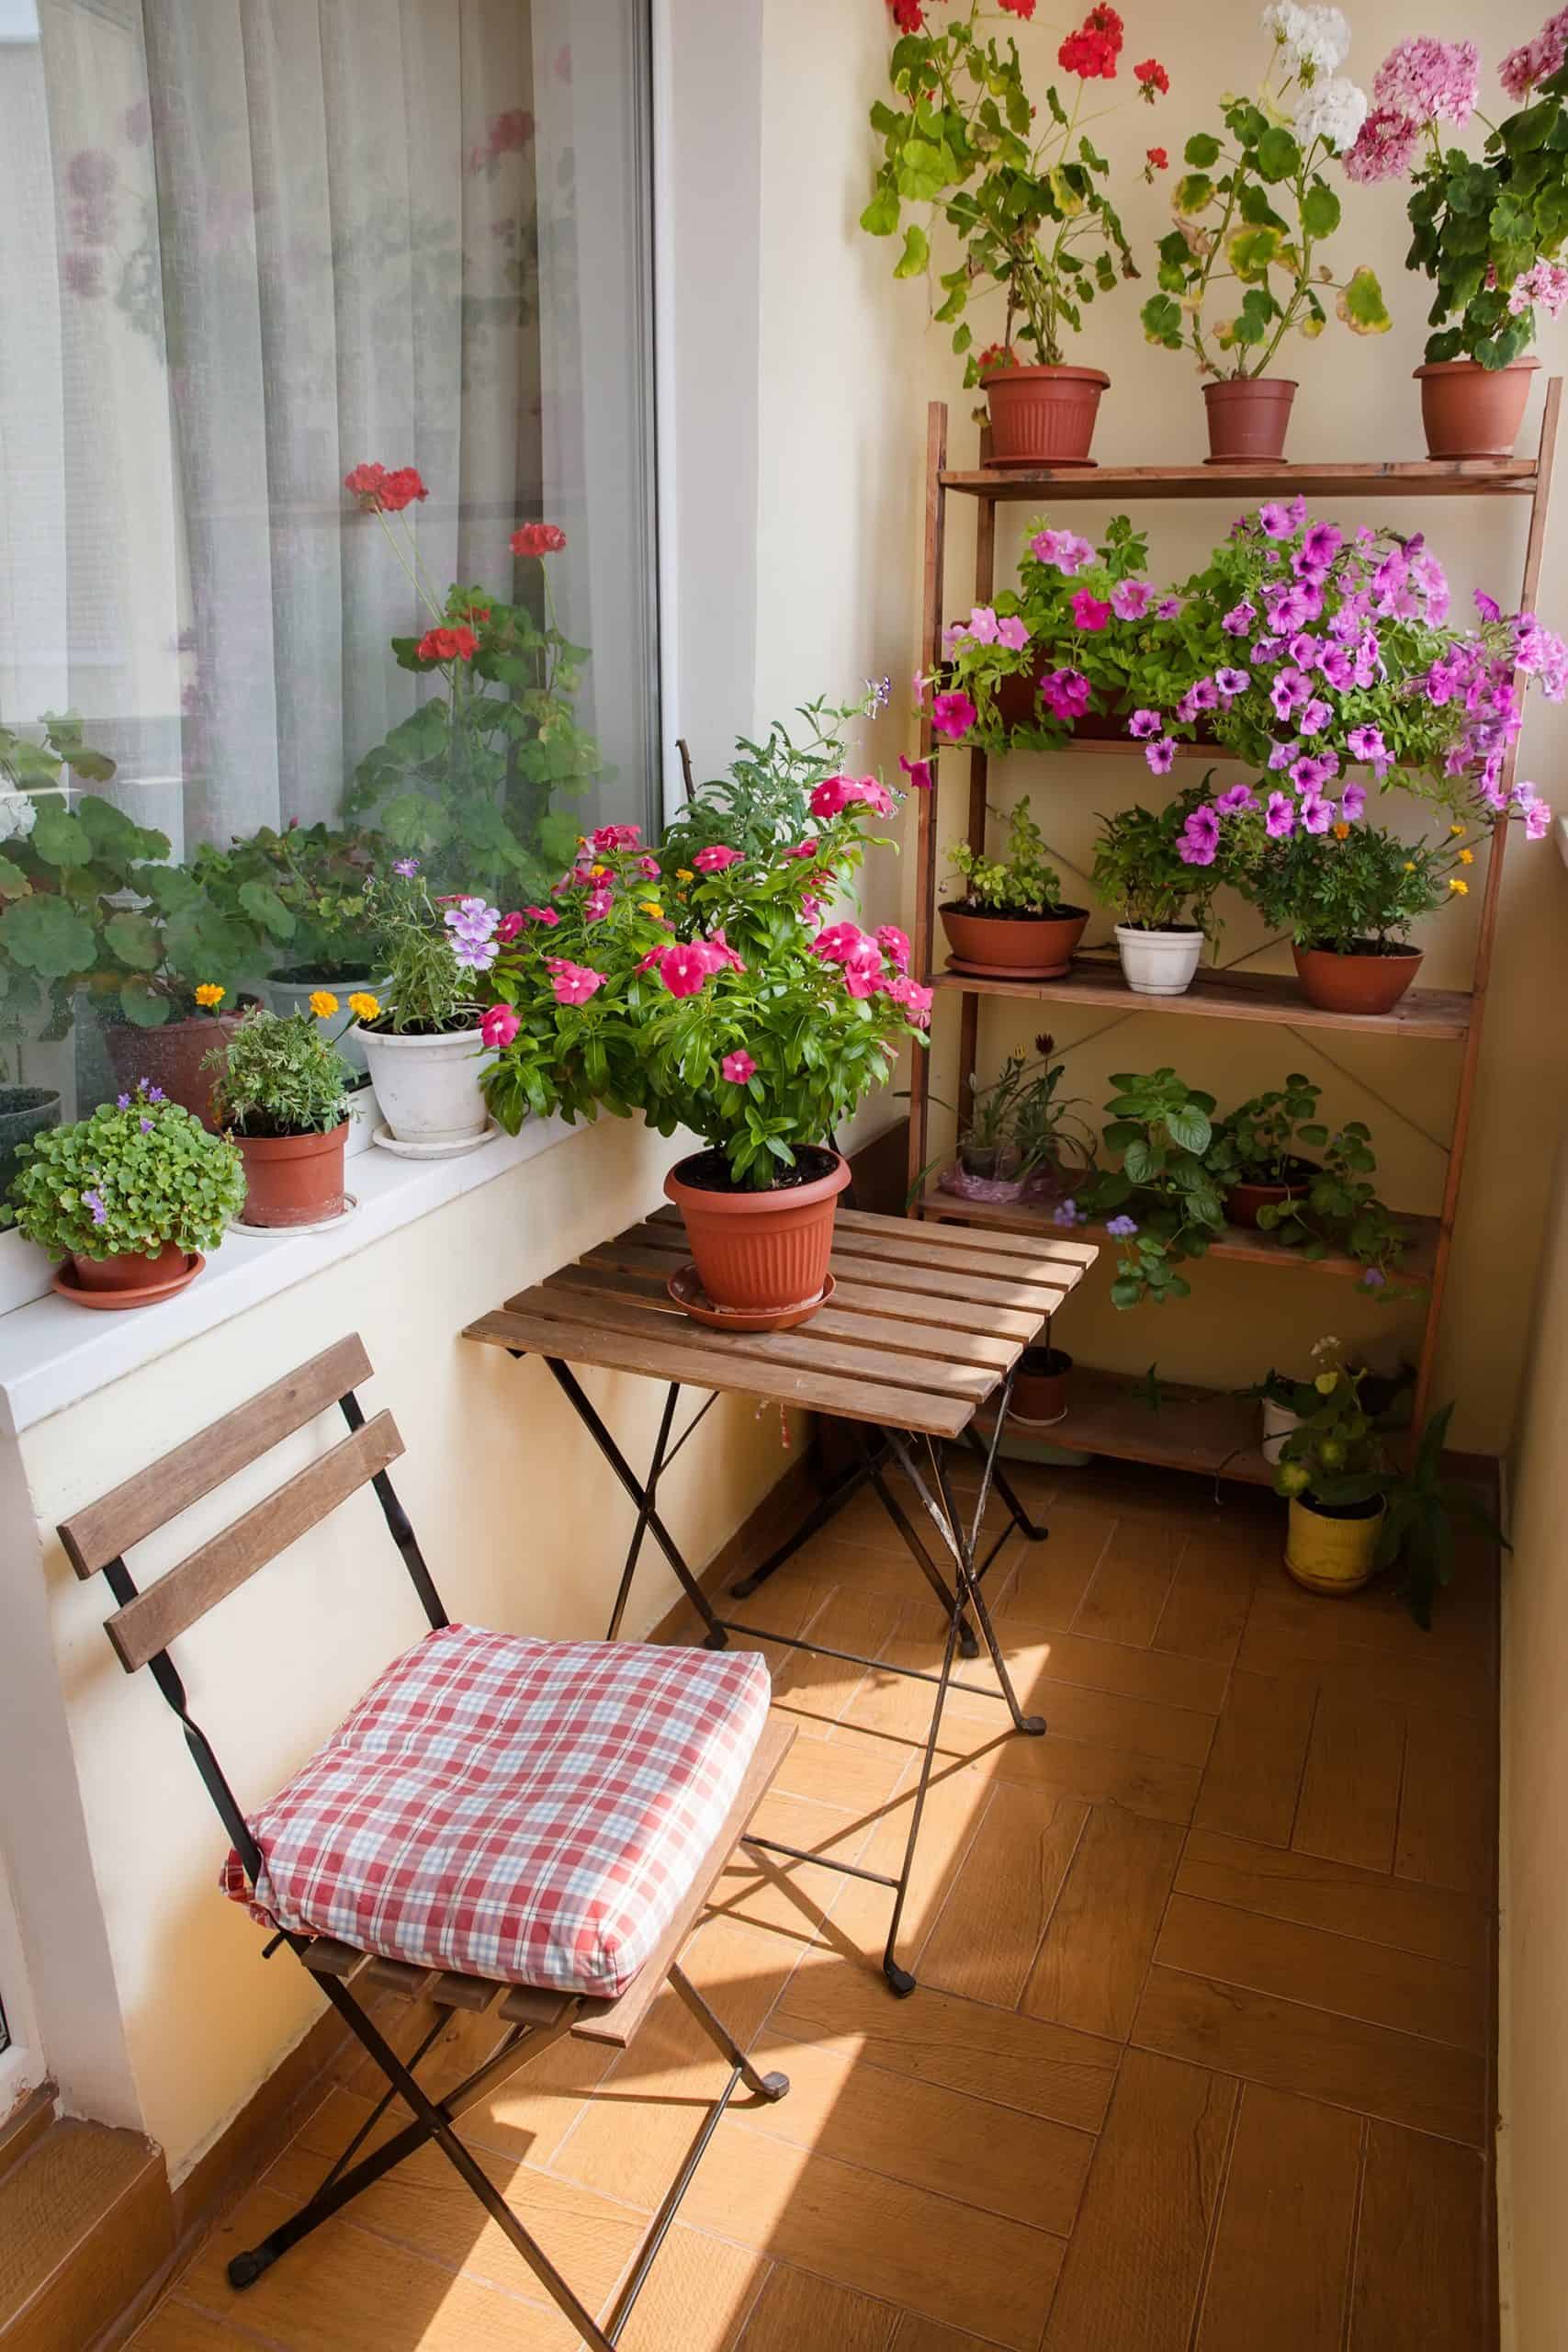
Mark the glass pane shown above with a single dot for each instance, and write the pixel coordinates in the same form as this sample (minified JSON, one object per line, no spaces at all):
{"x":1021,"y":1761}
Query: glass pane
{"x":245,"y":247}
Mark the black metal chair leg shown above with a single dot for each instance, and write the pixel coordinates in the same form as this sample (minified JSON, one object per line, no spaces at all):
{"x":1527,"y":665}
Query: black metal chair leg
{"x":768,"y":2087}
{"x":649,"y":1495}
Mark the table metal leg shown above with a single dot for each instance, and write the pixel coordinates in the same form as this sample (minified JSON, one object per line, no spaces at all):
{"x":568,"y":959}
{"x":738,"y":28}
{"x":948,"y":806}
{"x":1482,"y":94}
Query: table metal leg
{"x":842,"y":1490}
{"x":1027,"y":1527}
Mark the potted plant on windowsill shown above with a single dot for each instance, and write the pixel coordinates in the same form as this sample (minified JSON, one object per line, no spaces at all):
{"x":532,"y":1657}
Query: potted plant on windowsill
{"x":307,"y":888}
{"x":425,"y":1050}
{"x":1155,"y":868}
{"x":280,"y":1091}
{"x":1021,"y":187}
{"x":1486,"y":233}
{"x":711,"y":998}
{"x":130,"y":1197}
{"x":1251,"y":212}
{"x":1012,"y":918}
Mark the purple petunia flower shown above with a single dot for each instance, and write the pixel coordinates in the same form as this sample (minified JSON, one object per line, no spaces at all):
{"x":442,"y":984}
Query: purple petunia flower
{"x":1239,"y":620}
{"x":1161,"y":755}
{"x":1309,"y":773}
{"x":1317,"y":814}
{"x":1167,"y":608}
{"x":1353,"y":805}
{"x":1239,"y":797}
{"x":1232,"y":683}
{"x":1200,"y":837}
{"x":406,"y":866}
{"x":1280,"y":819}
{"x":1143,"y":724}
{"x":1275,"y":519}
{"x":1315,"y":718}
{"x":1130,"y":599}
{"x":1289,"y":690}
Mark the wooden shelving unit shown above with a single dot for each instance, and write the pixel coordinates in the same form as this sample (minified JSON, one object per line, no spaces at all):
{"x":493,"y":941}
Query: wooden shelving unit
{"x":1197,"y":1429}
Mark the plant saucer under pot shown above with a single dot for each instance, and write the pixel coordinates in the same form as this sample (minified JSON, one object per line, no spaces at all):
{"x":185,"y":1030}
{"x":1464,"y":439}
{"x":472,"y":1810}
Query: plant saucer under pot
{"x":1011,"y":946}
{"x":764,"y":1253}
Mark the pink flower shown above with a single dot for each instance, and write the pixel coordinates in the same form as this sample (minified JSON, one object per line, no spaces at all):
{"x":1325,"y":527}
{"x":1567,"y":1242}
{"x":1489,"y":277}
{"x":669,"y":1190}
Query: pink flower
{"x":719,"y":952}
{"x":1160,"y":755}
{"x":863,"y":968}
{"x":1065,"y":693}
{"x":875,"y":795}
{"x":610,"y":838}
{"x":1143,"y":724}
{"x":539,"y":914}
{"x":951,"y":714}
{"x":1130,"y":599}
{"x":738,"y":1067}
{"x":683,"y":970}
{"x":714,"y":860}
{"x":1384,"y":147}
{"x":918,"y":773}
{"x":1427,"y":80}
{"x":802,"y":849}
{"x":838,"y":942}
{"x":507,"y":929}
{"x":894,"y":945}
{"x":574,"y":983}
{"x":1089,"y":613}
{"x":831,"y":796}
{"x":501,"y":1025}
{"x":915,"y":998}
{"x":1064,"y":549}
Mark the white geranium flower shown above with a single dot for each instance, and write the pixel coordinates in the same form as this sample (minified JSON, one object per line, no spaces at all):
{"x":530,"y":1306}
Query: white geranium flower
{"x":1317,"y":39}
{"x":1334,"y":111}
{"x":18,"y":815}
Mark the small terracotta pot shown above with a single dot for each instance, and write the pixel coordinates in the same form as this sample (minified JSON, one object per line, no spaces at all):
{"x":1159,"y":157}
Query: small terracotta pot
{"x":1355,"y":983}
{"x":1244,"y":1201}
{"x":761,"y":1253}
{"x":1044,"y":417}
{"x":1040,"y":1385}
{"x":1032,"y":946}
{"x":129,"y":1274}
{"x":1474,"y":412}
{"x":1248,"y":418}
{"x":293,"y":1180}
{"x":172,"y":1056}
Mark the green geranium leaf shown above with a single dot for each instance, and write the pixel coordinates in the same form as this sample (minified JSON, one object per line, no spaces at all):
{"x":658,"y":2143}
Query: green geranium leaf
{"x":1200,"y":151}
{"x":1251,"y":252}
{"x":1320,"y":211}
{"x":60,"y":839}
{"x":261,"y":903}
{"x":1361,"y":305}
{"x":1279,"y":157}
{"x":881,"y":215}
{"x":916,"y":252}
{"x":14,"y":883}
{"x":46,"y":935}
{"x":924,"y":169}
{"x":142,"y":1006}
{"x":132,"y":939}
{"x":1192,"y":193}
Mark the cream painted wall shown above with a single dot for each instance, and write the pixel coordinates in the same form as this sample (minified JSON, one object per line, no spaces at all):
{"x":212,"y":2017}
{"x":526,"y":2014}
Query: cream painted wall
{"x":848,"y":365}
{"x":170,"y":2018}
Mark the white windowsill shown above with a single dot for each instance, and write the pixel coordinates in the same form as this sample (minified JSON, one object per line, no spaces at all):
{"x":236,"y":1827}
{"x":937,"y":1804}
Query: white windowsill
{"x":53,"y":1353}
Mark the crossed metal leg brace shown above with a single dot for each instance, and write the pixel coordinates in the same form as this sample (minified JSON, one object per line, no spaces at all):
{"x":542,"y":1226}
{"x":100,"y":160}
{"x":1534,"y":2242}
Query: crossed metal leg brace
{"x":520,"y":2046}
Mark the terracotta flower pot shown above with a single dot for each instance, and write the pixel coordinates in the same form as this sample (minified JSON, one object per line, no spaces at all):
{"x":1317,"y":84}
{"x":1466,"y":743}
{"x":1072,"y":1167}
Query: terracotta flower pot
{"x":1248,"y":418}
{"x":130,"y":1274}
{"x":1474,"y":412}
{"x":1333,"y":1549}
{"x":293,"y":1180}
{"x":1244,"y":1201}
{"x":172,"y":1056}
{"x":1355,"y":983}
{"x":1044,"y":417}
{"x":759,"y":1253}
{"x":1040,"y":1385}
{"x":1037,"y":947}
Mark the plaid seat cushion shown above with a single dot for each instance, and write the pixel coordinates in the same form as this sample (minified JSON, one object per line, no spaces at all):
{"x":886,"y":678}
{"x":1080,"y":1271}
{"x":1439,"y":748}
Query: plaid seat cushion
{"x":526,"y":1811}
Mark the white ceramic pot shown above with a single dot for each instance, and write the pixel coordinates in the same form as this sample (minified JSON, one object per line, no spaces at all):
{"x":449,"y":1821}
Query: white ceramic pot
{"x":294,"y":996}
{"x":429,"y":1087}
{"x":1277,"y":1424}
{"x":1158,"y":963}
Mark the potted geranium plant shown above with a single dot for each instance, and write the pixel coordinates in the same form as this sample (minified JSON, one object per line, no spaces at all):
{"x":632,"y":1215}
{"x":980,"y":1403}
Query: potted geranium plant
{"x":307,"y":886}
{"x":281,"y":1094}
{"x":1021,"y":185}
{"x":711,"y":1000}
{"x":1252,"y":211}
{"x":130,"y":1198}
{"x":1012,"y":918}
{"x":1486,"y":231}
{"x":1156,"y":869}
{"x":424,"y":1049}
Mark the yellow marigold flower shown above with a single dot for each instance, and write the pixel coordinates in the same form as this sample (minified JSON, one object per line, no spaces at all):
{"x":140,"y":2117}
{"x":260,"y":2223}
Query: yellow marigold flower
{"x":1410,"y":865}
{"x":1455,"y":832}
{"x":597,"y":870}
{"x":1455,"y":884}
{"x":324,"y":1004}
{"x":685,"y":874}
{"x":1341,"y":832}
{"x":1467,"y":857}
{"x":650,"y":907}
{"x":363,"y":1005}
{"x":210,"y":994}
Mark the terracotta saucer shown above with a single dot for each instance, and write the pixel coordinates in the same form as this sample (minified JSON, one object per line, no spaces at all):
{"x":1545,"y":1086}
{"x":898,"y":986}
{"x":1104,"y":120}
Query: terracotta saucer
{"x":109,"y":1302}
{"x":1041,"y":465}
{"x":1006,"y":971}
{"x":688,"y":1293}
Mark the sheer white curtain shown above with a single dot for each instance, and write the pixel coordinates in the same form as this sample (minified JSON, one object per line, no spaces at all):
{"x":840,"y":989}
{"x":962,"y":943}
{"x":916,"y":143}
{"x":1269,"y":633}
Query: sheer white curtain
{"x":246,"y":243}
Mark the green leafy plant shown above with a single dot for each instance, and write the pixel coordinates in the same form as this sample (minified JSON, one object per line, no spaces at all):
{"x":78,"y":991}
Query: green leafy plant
{"x":279,"y":1076}
{"x":1020,"y":1122}
{"x":1485,"y":231}
{"x":1419,"y":1527}
{"x":431,"y":958}
{"x":1253,"y":208}
{"x":1340,"y":1208}
{"x":1350,"y":888}
{"x":1336,"y":1456}
{"x":762,"y":803}
{"x":1162,"y":1204}
{"x":1139,"y":871}
{"x":126,"y":1183}
{"x":1022,"y":187}
{"x":711,"y":1003}
{"x":1257,"y":1142}
{"x":306,"y":889}
{"x":1021,"y":882}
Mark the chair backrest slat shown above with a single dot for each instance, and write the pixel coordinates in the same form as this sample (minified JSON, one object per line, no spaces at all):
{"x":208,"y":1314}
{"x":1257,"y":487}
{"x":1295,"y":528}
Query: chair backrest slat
{"x":172,"y":1606}
{"x":109,"y":1527}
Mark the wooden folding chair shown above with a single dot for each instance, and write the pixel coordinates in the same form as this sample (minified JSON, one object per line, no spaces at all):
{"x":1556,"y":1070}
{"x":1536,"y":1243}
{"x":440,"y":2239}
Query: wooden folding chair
{"x":531,"y":2018}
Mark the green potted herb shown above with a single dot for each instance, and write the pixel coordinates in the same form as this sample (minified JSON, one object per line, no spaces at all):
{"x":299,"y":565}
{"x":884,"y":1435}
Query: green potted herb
{"x":1039,"y":1396}
{"x":1252,"y":211}
{"x":1144,"y":870}
{"x":1486,"y":231}
{"x":129,"y":1199}
{"x":1337,"y":1206}
{"x":424,"y":1050}
{"x":1011,"y":919}
{"x":1162,"y":1204}
{"x":1021,"y":1137}
{"x":1253,"y":1156}
{"x":281,"y":1093}
{"x":762,"y":802}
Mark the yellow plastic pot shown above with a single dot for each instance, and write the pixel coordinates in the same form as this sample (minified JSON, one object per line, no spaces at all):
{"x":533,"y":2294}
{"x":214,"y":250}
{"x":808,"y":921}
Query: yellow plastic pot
{"x":1331,"y":1555}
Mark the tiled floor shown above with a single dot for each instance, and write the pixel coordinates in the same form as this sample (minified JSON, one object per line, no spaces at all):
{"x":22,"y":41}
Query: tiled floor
{"x":1198,"y":2061}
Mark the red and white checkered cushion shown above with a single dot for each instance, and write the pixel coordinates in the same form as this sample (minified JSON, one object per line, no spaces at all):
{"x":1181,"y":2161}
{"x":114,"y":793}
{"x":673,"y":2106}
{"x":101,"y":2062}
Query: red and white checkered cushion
{"x":526,"y":1811}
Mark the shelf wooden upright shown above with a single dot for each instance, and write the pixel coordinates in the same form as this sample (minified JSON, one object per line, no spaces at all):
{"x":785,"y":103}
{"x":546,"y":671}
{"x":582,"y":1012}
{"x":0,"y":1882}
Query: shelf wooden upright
{"x":1202,"y":1430}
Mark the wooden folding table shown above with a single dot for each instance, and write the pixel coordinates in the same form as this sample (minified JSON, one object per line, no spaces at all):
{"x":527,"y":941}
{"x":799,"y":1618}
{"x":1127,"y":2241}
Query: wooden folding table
{"x":925,"y":1328}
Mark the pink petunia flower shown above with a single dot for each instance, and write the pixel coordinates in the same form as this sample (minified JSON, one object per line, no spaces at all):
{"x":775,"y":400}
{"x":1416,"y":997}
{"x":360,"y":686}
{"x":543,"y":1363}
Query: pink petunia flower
{"x":1160,"y":755}
{"x":918,"y":773}
{"x":1089,"y":613}
{"x":951,"y":714}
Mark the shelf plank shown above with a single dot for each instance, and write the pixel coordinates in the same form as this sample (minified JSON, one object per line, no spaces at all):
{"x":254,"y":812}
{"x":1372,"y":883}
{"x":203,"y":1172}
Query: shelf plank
{"x":1202,"y":1430}
{"x":1415,"y":477}
{"x":1236,"y":1241}
{"x":1273,"y":997}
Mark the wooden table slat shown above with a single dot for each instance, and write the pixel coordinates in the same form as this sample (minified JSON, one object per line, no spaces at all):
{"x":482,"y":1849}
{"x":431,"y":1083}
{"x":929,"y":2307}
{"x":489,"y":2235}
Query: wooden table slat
{"x":712,"y":1361}
{"x":917,"y":1242}
{"x":932,"y":1280}
{"x":1001,"y":1322}
{"x":809,"y":1349}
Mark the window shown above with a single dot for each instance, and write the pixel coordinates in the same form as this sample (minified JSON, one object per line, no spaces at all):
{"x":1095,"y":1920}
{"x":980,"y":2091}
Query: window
{"x":246,"y":245}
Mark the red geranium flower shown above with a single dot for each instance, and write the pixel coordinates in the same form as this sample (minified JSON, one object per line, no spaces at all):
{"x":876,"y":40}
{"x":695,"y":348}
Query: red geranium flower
{"x":908,"y":15}
{"x":448,"y":645}
{"x":365,"y":483}
{"x":1159,"y":159}
{"x":538,"y":539}
{"x":1091,"y":51}
{"x":400,"y":489}
{"x":1024,"y":8}
{"x":996,"y":355}
{"x":1153,"y":76}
